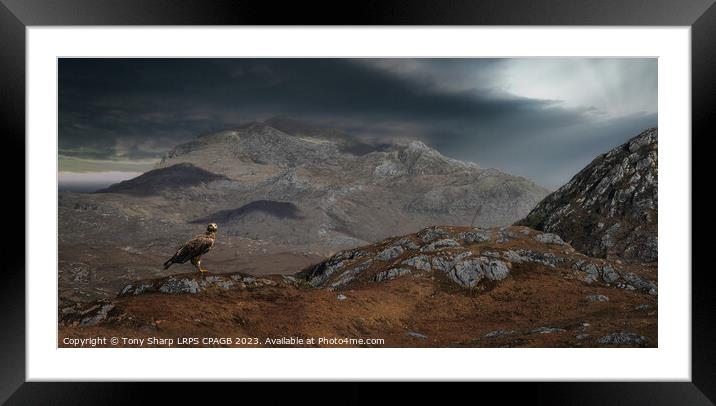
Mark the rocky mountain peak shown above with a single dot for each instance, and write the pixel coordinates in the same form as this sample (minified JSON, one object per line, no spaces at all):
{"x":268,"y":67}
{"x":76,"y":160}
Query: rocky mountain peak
{"x":418,"y":146}
{"x":342,"y":195}
{"x":611,"y":206}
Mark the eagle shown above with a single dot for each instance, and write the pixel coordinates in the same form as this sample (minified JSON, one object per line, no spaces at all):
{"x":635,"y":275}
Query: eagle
{"x":194,"y":249}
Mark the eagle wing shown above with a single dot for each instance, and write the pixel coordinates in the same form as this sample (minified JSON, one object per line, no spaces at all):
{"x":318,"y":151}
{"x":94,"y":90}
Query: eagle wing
{"x":195,"y":247}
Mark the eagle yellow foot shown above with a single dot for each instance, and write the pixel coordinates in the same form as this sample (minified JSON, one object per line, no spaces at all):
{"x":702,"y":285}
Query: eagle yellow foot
{"x":203,"y":270}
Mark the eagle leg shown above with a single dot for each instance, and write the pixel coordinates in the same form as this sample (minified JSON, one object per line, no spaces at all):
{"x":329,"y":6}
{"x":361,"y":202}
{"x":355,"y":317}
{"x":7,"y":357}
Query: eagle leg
{"x":196,"y":261}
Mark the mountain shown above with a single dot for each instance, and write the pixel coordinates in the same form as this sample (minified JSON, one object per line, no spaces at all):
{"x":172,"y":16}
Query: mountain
{"x":610,"y":208}
{"x":443,"y":286}
{"x":346,"y":190}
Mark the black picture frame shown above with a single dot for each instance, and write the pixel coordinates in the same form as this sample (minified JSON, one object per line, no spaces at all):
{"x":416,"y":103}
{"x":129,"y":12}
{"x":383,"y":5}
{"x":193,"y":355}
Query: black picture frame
{"x":16,"y":15}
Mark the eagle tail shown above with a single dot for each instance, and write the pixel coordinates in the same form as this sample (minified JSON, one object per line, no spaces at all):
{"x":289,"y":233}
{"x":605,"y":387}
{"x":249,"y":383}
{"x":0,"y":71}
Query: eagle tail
{"x":169,"y":263}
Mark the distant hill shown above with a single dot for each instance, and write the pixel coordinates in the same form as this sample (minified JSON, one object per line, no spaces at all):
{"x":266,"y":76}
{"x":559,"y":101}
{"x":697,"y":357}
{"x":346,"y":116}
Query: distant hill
{"x":173,"y":177}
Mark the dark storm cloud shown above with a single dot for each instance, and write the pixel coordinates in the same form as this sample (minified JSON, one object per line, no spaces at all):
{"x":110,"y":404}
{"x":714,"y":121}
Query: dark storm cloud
{"x":136,"y":109}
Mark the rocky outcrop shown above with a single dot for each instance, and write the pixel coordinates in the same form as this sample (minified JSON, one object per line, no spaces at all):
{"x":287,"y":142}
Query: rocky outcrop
{"x":623,"y":339}
{"x":469,"y":258}
{"x":85,"y":314}
{"x":610,"y":208}
{"x":197,"y":283}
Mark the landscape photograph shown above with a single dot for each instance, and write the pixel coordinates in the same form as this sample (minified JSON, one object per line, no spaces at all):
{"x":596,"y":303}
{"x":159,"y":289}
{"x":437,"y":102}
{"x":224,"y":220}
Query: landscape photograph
{"x":361,"y":202}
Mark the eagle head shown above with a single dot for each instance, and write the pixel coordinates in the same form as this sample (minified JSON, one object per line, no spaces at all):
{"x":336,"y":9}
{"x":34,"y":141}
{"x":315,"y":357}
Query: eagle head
{"x":212,"y":227}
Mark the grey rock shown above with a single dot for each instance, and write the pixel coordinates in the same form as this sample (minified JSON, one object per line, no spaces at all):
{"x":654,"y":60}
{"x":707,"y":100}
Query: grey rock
{"x":224,"y":284}
{"x":626,"y":280}
{"x":126,"y":290}
{"x":623,"y":338}
{"x":640,"y":284}
{"x":494,"y":254}
{"x":643,"y":307}
{"x":514,"y":257}
{"x":546,"y":330}
{"x":440,"y":244}
{"x":421,"y":262}
{"x":597,"y":298}
{"x":390,"y":253}
{"x":389,"y":169}
{"x":498,"y":333}
{"x":290,"y":279}
{"x":323,"y":271}
{"x":432,"y":233}
{"x":408,"y":244}
{"x":100,"y":314}
{"x":348,"y":275}
{"x":346,"y":255}
{"x":647,"y":249}
{"x":470,"y":271}
{"x":637,"y":143}
{"x":391,"y":274}
{"x":495,"y":270}
{"x":218,"y":281}
{"x":265,"y":282}
{"x":138,"y":289}
{"x":341,"y":297}
{"x":541,"y":257}
{"x":475,"y":236}
{"x":590,"y":270}
{"x":444,"y":261}
{"x":417,"y":335}
{"x":549,"y":238}
{"x":181,"y":285}
{"x":80,"y":273}
{"x":609,"y":275}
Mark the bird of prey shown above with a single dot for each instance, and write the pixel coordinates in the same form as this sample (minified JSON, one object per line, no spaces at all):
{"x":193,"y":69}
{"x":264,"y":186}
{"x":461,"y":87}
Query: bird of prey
{"x":194,"y":249}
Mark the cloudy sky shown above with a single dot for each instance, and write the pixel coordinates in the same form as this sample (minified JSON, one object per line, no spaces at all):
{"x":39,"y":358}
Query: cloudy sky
{"x":540,"y":118}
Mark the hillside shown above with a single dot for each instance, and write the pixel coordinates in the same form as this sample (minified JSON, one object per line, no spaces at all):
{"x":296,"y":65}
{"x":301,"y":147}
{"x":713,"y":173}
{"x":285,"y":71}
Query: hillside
{"x":441,"y":287}
{"x":610,"y":208}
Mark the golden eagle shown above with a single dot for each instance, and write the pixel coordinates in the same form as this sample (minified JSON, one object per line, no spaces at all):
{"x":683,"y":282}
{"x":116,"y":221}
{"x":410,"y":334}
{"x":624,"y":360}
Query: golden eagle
{"x":194,"y":249}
